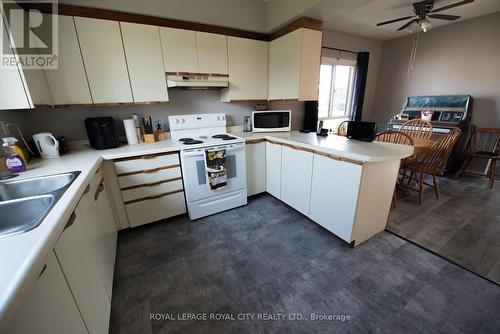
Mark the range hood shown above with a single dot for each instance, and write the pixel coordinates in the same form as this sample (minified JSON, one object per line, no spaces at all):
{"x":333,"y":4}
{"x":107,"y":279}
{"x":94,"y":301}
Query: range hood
{"x":197,"y":80}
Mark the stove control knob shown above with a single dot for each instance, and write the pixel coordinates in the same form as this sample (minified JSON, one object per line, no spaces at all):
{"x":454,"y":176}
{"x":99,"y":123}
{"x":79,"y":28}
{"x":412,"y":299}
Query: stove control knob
{"x":177,"y":121}
{"x":183,"y":120}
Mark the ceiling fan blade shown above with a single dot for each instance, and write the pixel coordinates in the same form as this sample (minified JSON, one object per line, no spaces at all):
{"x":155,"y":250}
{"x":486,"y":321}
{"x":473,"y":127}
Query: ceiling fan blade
{"x":444,"y":17}
{"x":456,"y":4}
{"x":395,"y":20}
{"x":407,"y":24}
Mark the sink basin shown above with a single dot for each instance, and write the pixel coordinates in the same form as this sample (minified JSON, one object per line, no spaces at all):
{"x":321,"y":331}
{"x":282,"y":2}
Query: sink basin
{"x":24,"y":203}
{"x":22,"y":215}
{"x":35,"y":186}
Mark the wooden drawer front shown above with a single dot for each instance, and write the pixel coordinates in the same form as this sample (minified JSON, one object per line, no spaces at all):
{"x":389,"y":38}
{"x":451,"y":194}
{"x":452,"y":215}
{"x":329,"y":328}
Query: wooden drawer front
{"x":148,"y":162}
{"x":149,"y":177}
{"x":149,"y":211}
{"x":142,"y":192}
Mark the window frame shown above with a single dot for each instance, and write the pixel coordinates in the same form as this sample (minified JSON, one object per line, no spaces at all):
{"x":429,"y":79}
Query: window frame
{"x":336,"y":62}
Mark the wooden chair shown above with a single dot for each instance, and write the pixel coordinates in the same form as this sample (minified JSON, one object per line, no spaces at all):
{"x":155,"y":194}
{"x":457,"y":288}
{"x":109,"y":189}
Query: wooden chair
{"x":418,"y":129}
{"x":484,"y":144}
{"x":395,"y":137}
{"x":433,"y":163}
{"x":342,"y":129}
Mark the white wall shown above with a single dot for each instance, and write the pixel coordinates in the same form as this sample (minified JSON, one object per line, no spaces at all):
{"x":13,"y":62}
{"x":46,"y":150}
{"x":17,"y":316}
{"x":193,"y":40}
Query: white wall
{"x":461,"y":58}
{"x":340,"y":40}
{"x":69,"y":122}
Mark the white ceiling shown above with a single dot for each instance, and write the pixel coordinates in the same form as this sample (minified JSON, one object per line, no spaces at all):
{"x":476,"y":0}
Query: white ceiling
{"x":359,"y":17}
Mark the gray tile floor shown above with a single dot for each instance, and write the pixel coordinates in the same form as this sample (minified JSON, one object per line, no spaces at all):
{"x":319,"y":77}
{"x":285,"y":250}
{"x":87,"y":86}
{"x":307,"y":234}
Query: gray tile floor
{"x":463,"y":225}
{"x":266,"y":258}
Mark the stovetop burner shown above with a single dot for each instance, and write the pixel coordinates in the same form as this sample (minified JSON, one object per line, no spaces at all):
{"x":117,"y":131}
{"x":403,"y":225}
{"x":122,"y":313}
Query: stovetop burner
{"x":229,"y":138}
{"x":185,"y":139}
{"x":220,"y":136}
{"x":192,"y":142}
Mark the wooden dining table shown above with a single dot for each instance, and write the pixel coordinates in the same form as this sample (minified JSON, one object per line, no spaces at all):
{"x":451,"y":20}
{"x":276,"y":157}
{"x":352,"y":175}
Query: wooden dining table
{"x":422,"y":146}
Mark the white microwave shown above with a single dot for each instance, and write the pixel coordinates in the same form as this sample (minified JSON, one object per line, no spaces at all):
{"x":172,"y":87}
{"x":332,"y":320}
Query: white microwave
{"x":271,"y":120}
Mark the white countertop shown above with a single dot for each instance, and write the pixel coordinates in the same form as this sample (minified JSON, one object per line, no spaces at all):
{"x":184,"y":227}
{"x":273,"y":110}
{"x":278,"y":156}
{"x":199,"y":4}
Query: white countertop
{"x":22,"y":256}
{"x":337,"y":145}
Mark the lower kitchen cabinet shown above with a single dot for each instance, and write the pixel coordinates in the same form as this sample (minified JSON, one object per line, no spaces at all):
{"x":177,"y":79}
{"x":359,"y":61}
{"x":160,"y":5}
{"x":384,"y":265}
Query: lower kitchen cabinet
{"x":99,"y":225}
{"x":256,"y":167}
{"x":334,"y":195}
{"x":151,"y":187}
{"x":273,"y":169}
{"x":296,"y":173}
{"x":156,"y":208}
{"x":77,"y":260}
{"x":48,"y":307}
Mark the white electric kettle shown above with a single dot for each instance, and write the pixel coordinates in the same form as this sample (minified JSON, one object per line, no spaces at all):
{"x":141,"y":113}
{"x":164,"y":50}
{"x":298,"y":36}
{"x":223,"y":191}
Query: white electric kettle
{"x":47,"y":145}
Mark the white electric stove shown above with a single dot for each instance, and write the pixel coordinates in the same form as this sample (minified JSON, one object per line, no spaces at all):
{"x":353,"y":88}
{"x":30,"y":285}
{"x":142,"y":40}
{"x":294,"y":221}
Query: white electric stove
{"x":195,"y":134}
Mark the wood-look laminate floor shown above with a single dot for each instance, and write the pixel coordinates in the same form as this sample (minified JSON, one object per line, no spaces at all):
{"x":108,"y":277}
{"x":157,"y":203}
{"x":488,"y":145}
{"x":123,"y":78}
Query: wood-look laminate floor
{"x":265,"y":258}
{"x":463,"y":225}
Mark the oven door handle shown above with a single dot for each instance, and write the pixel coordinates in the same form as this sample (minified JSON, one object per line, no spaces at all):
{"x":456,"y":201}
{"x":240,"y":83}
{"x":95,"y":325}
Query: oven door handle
{"x":201,"y":152}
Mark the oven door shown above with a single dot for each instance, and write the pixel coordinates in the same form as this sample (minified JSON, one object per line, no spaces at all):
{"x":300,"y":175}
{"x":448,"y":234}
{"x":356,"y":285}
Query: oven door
{"x":194,"y":172}
{"x":267,"y":121}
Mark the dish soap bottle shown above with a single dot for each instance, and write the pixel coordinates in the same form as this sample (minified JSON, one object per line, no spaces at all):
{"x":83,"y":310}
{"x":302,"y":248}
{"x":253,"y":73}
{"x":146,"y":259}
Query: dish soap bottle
{"x":14,"y":157}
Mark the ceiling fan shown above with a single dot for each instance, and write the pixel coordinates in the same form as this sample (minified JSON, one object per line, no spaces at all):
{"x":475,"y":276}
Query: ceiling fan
{"x":423,"y":11}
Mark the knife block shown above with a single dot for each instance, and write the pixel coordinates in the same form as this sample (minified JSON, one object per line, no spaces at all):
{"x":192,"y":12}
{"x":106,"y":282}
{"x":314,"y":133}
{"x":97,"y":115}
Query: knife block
{"x":149,"y":138}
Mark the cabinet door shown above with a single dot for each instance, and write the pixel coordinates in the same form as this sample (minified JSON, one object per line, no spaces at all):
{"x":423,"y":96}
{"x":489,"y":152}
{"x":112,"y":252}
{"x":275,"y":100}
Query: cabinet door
{"x":334,"y":195}
{"x":212,"y":53}
{"x":95,"y":210}
{"x":247,"y":60}
{"x":284,"y":66}
{"x":179,"y":50}
{"x":273,"y":169}
{"x":12,"y":93}
{"x":256,"y":168}
{"x":104,"y":59}
{"x":296,"y":173}
{"x":75,"y":255}
{"x":68,"y":83}
{"x":310,"y":62}
{"x":144,"y":61}
{"x":48,"y":307}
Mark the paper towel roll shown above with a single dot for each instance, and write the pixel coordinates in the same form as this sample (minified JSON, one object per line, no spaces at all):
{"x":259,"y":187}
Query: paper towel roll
{"x":130,"y":131}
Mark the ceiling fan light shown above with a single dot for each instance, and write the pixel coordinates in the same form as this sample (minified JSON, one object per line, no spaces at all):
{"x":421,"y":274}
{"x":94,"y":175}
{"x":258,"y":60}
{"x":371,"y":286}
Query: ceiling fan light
{"x":413,"y":28}
{"x":425,"y":25}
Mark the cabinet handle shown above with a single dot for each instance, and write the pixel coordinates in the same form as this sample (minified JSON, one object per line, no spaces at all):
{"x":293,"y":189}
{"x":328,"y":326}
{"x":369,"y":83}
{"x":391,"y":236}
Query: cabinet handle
{"x":99,"y":189}
{"x":41,"y":272}
{"x":71,"y":220}
{"x":87,"y":189}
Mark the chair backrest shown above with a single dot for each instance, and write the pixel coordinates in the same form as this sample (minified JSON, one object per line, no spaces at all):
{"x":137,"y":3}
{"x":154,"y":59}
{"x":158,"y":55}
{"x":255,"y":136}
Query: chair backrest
{"x":395,"y":137}
{"x":437,"y":157}
{"x":417,"y":129}
{"x":342,"y":129}
{"x":484,"y":140}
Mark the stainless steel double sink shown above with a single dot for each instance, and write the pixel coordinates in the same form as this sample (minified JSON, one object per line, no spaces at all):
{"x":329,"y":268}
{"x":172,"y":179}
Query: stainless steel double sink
{"x":25,"y":203}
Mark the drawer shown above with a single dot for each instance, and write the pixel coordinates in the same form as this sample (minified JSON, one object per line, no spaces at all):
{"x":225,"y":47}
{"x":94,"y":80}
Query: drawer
{"x":152,"y":210}
{"x":147,"y":191}
{"x":147,"y":162}
{"x":149,"y":177}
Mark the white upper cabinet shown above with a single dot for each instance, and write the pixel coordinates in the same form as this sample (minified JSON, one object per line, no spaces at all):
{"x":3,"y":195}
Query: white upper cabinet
{"x":104,"y":59}
{"x":294,"y":62}
{"x":12,"y":91}
{"x":68,"y":83}
{"x":179,"y":50}
{"x":247,"y":60}
{"x":212,"y":53}
{"x":145,"y":63}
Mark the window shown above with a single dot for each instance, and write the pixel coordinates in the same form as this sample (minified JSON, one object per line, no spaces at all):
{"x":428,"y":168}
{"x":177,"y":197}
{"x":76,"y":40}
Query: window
{"x":335,"y":88}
